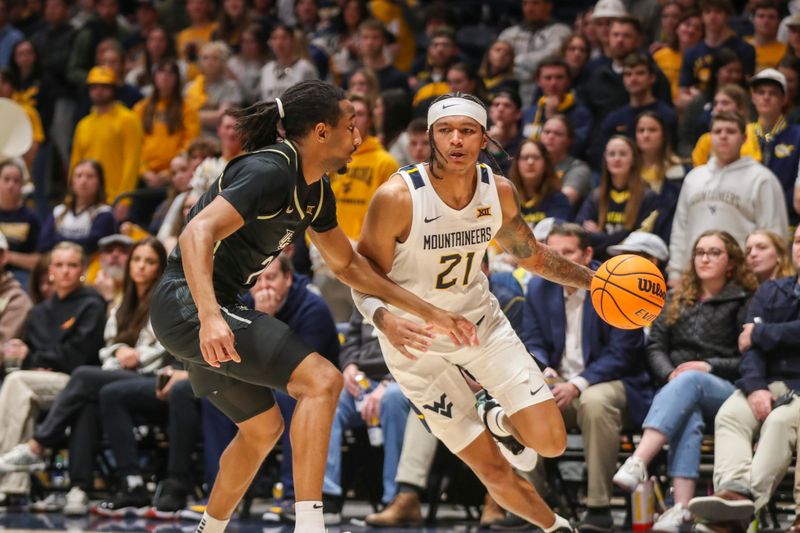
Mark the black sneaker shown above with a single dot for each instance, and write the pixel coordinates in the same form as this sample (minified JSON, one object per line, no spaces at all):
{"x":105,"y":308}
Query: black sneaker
{"x":170,"y":496}
{"x":597,"y":520}
{"x":126,"y":503}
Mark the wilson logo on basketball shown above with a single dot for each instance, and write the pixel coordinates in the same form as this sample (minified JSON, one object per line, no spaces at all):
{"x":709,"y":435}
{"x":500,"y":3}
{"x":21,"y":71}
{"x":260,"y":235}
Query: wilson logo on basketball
{"x":646,"y":285}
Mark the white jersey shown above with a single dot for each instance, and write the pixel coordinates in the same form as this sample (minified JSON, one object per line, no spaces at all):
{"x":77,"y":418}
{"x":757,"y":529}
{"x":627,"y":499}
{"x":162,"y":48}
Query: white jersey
{"x":440,"y":261}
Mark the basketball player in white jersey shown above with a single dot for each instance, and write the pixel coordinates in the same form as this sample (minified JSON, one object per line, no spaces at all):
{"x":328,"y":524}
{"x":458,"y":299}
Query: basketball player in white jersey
{"x":428,"y":227}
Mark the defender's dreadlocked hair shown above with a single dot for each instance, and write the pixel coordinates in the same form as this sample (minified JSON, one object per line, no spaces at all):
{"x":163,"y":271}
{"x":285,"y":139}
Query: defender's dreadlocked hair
{"x":434,"y":161}
{"x":305,"y":105}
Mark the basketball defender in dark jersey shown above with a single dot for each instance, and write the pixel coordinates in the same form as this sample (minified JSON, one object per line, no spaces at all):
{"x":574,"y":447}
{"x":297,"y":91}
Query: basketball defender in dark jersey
{"x":236,"y":356}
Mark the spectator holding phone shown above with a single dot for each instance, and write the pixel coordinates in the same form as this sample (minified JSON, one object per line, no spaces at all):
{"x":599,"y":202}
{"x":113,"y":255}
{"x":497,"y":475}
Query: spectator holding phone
{"x":769,"y":341}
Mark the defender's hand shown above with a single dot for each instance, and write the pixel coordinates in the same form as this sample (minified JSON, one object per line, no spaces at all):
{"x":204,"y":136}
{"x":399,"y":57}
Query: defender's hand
{"x":217,"y":341}
{"x":404,"y":334}
{"x":459,"y":329}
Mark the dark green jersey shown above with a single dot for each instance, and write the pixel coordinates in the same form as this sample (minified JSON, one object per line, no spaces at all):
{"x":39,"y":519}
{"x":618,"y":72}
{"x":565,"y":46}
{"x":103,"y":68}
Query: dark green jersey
{"x":269,"y":191}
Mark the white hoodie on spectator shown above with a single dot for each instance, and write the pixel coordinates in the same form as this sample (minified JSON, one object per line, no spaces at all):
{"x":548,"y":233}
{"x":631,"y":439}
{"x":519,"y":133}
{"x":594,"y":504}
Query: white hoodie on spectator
{"x":738,"y":198}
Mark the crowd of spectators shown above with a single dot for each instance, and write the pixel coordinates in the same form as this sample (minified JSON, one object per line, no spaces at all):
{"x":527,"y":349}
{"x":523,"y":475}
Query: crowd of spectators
{"x":665,"y":128}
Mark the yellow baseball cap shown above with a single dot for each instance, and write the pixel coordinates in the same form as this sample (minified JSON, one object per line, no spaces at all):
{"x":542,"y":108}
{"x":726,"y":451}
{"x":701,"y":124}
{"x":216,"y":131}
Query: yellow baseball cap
{"x":101,"y":76}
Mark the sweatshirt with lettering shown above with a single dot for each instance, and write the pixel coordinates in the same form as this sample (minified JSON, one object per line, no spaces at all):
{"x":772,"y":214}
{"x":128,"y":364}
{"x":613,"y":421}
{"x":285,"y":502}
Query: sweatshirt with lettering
{"x":737,"y":198}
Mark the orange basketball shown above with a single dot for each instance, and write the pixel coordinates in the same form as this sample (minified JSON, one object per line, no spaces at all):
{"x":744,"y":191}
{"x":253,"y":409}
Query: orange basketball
{"x":628,"y":291}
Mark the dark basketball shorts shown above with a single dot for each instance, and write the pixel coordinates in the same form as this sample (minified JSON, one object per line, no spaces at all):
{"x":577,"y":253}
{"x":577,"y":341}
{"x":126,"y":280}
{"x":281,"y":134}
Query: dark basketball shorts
{"x":268,"y":349}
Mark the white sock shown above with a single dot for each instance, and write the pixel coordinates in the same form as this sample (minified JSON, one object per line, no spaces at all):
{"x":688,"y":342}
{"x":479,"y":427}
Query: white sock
{"x":494,"y":421}
{"x":559,"y":523}
{"x":308,"y":517}
{"x":134,"y":481}
{"x":209,"y":524}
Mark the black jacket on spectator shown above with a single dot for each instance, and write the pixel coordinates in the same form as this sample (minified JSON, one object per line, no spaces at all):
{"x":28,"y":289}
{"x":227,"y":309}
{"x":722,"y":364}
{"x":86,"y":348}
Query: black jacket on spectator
{"x":65,"y":334}
{"x":361,"y":347}
{"x":308,"y":316}
{"x":53,"y":45}
{"x":708,"y":331}
{"x":605,"y":91}
{"x":775,"y":351}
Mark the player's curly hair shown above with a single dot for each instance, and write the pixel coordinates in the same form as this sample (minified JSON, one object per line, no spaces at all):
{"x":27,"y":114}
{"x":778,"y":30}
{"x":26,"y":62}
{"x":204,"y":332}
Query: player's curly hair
{"x":436,"y":159}
{"x":305,"y":105}
{"x":687,"y":293}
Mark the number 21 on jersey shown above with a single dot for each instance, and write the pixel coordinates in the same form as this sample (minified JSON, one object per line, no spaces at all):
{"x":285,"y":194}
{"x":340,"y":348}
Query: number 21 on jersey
{"x":447,"y":278}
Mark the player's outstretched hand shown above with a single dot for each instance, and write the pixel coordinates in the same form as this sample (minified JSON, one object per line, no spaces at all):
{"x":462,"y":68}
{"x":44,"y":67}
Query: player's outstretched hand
{"x":404,"y":334}
{"x":217,"y":341}
{"x":459,"y":329}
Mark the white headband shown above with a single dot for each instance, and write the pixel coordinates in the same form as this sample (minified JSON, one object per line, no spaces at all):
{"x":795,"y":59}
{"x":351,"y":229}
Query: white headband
{"x":280,"y":107}
{"x":457,"y":106}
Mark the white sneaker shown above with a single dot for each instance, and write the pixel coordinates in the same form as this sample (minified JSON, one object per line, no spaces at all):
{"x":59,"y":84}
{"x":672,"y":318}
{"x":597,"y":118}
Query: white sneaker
{"x":632,"y":472}
{"x":672,"y":519}
{"x":54,"y":503}
{"x":20,"y":458}
{"x":77,"y":503}
{"x":524,"y":461}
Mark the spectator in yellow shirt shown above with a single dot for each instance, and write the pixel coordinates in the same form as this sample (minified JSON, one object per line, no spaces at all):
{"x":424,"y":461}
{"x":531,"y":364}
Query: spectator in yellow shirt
{"x":9,"y":88}
{"x":199,"y":32}
{"x":766,"y":19}
{"x":212,"y":92}
{"x":110,"y":134}
{"x":169,"y":124}
{"x":729,"y":98}
{"x":669,"y":59}
{"x":370,"y":166}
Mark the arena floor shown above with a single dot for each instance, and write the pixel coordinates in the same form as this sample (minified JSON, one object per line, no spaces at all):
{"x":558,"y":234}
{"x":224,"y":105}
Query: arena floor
{"x":451,"y":520}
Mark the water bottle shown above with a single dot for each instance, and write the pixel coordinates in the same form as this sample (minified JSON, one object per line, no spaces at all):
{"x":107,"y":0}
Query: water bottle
{"x":374,"y":430}
{"x":643,"y":506}
{"x":59,"y":479}
{"x":363,"y":385}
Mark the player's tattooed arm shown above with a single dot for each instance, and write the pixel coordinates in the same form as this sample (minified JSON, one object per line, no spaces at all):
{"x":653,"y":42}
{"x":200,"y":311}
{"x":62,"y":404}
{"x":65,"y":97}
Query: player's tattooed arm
{"x":516,"y":237}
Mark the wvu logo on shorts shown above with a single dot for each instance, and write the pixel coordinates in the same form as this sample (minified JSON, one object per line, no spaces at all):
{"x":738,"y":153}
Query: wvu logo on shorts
{"x":484,"y":212}
{"x":442,"y":407}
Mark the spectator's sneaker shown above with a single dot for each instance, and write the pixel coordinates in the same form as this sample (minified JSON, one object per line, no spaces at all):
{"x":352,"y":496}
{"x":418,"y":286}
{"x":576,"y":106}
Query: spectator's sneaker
{"x":403,"y":511}
{"x":133,"y":502}
{"x":76,"y":503}
{"x":278,"y":510}
{"x":170,"y":496}
{"x":723,"y":506}
{"x":672,"y":520}
{"x":20,"y":458}
{"x":514,"y":451}
{"x":632,"y":472}
{"x":193,"y":512}
{"x":597,"y":519}
{"x":53,"y":503}
{"x":722,"y":527}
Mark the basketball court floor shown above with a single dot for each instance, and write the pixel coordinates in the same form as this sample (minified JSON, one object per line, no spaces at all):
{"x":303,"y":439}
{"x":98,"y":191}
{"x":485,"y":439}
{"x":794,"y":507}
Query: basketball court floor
{"x":450,"y":519}
{"x":453,"y":520}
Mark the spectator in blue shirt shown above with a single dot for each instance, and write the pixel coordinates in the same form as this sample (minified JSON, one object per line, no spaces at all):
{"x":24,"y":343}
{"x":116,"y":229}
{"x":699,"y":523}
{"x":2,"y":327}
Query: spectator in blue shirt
{"x":18,"y":222}
{"x":638,"y":77}
{"x":696,"y":65}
